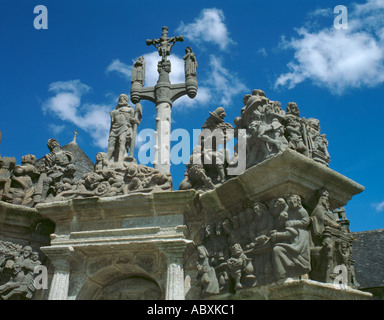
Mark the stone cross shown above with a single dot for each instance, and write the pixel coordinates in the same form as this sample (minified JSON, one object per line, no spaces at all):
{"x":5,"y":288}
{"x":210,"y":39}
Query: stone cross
{"x":164,"y":44}
{"x":163,"y":94}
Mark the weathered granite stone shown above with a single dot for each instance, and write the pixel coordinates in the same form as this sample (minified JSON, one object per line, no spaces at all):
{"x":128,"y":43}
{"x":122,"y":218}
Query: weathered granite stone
{"x":292,"y":289}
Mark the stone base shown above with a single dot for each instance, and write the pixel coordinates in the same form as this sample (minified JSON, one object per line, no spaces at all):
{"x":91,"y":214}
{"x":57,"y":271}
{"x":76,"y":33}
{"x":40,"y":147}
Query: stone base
{"x":296,"y":290}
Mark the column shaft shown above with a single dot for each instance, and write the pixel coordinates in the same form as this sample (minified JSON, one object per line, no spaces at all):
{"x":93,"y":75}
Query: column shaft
{"x":175,"y":282}
{"x":163,"y":137}
{"x":59,"y":285}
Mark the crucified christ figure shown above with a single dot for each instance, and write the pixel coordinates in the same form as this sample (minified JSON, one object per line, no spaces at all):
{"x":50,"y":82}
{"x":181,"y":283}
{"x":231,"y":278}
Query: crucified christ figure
{"x":164,"y":44}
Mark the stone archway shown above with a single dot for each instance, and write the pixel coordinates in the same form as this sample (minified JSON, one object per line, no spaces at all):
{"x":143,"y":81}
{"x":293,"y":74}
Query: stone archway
{"x":130,"y":288}
{"x":128,"y":283}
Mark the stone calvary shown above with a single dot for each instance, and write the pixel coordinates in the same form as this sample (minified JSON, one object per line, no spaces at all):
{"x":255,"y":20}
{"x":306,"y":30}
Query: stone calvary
{"x":116,"y":229}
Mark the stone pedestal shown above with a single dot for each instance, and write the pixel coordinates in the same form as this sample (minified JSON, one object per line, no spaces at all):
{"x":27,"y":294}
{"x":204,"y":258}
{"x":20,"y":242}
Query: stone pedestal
{"x":144,"y":245}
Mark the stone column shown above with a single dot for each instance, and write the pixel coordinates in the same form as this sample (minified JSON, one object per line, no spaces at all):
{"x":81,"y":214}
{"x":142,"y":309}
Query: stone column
{"x":175,"y":270}
{"x":60,"y":258}
{"x":163,"y":137}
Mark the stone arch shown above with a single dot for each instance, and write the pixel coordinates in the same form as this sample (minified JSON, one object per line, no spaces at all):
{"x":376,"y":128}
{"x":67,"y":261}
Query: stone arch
{"x":128,"y":283}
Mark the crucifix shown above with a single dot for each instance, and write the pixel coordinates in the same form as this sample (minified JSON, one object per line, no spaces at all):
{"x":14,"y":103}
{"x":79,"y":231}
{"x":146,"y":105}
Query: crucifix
{"x":163,"y":94}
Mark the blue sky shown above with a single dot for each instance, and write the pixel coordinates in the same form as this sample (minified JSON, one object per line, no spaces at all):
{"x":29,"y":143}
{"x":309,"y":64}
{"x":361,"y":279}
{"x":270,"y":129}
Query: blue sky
{"x":68,"y":77}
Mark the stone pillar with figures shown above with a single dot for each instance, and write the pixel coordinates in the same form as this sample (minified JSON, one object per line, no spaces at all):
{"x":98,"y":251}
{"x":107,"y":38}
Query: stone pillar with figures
{"x":163,"y":94}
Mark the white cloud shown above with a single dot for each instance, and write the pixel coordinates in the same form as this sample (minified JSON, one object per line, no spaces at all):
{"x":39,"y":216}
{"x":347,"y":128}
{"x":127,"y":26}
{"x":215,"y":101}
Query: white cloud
{"x":262,"y":52}
{"x":209,"y":27}
{"x":67,"y":106}
{"x":321,"y":12}
{"x":151,"y":74}
{"x":202,"y":98}
{"x":379,"y":206}
{"x":340,"y":59}
{"x":121,"y":68}
{"x":224,"y":83}
{"x":369,"y":7}
{"x":56,"y":129}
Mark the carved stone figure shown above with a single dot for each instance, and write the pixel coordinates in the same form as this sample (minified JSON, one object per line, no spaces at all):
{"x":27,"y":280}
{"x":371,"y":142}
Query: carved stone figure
{"x":239,"y":265}
{"x":54,"y":164}
{"x":101,"y":162}
{"x":263,"y":121}
{"x":270,"y":130}
{"x":331,"y":242}
{"x":260,"y":243}
{"x":322,"y":222}
{"x":220,"y":256}
{"x":121,"y":132}
{"x":259,"y":142}
{"x":294,"y":129}
{"x":57,"y":158}
{"x":214,"y":160}
{"x":276,"y":207}
{"x":195,"y":174}
{"x":7,"y":165}
{"x":322,"y":216}
{"x":164,"y":44}
{"x":207,"y":164}
{"x":291,"y":252}
{"x":317,"y":142}
{"x":206,"y":274}
{"x":15,"y":285}
{"x":190,"y":63}
{"x":275,"y":117}
{"x":216,"y":120}
{"x":220,"y":246}
{"x":344,"y":257}
{"x":138,"y":71}
{"x":25,"y":176}
{"x":21,"y":262}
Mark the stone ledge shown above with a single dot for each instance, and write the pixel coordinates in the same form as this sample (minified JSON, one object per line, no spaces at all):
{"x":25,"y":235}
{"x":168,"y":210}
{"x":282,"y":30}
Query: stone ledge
{"x":286,"y":173}
{"x":296,"y":290}
{"x":17,"y":220}
{"x":113,"y":239}
{"x":126,"y":206}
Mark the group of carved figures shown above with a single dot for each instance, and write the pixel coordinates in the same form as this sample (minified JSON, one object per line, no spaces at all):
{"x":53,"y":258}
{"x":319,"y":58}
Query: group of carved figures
{"x":53,"y":178}
{"x":268,"y":131}
{"x":17,"y":270}
{"x":266,"y":243}
{"x":207,"y":165}
{"x":271,"y":130}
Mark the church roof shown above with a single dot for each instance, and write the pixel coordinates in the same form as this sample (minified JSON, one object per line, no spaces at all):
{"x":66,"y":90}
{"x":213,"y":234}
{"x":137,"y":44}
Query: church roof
{"x":368,"y":254}
{"x":83,"y":163}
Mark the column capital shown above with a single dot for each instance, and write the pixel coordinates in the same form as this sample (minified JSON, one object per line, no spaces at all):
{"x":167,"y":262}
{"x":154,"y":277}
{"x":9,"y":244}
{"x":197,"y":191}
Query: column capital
{"x":60,"y":256}
{"x":174,"y":250}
